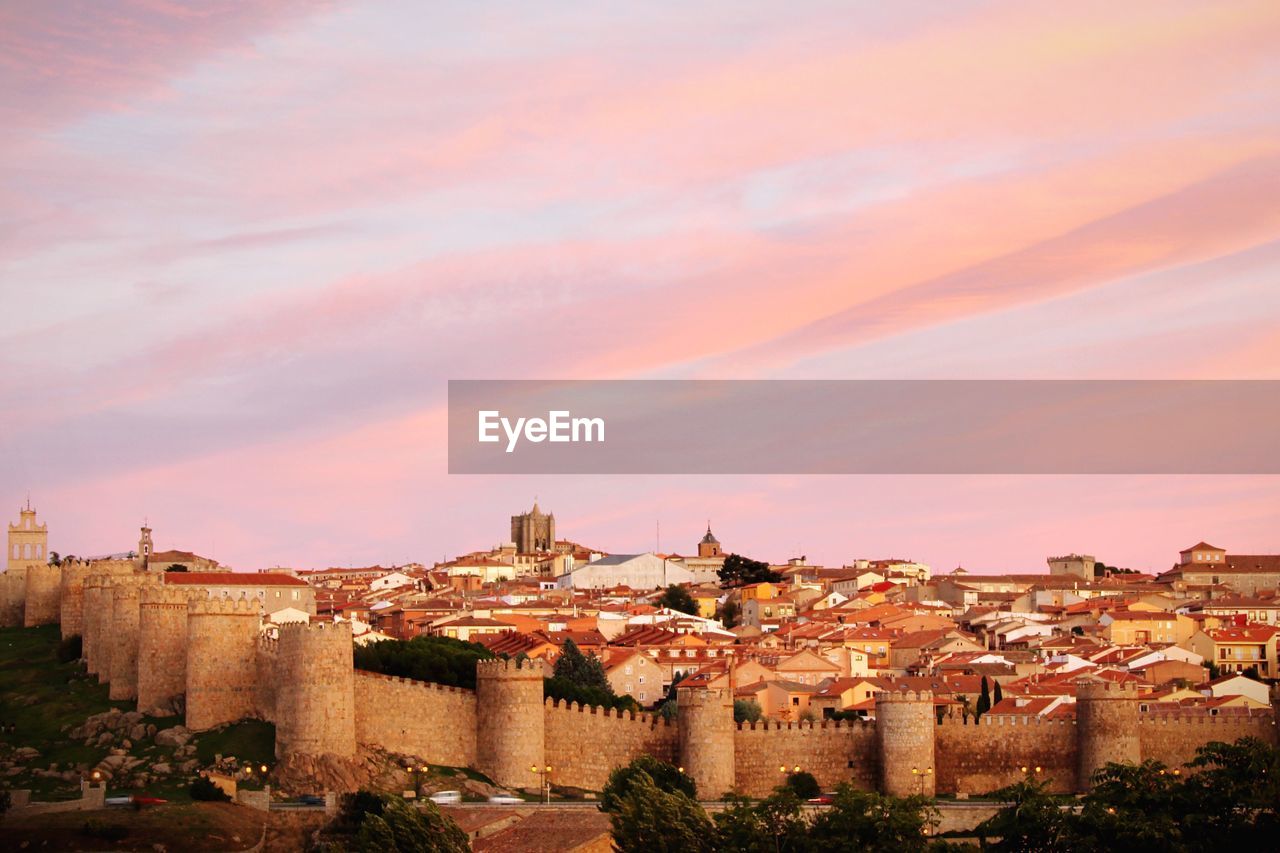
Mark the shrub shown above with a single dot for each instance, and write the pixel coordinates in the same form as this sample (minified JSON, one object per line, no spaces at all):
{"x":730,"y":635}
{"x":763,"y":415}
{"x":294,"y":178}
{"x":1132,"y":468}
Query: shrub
{"x":661,"y":774}
{"x":747,"y":711}
{"x":803,"y":785}
{"x":204,"y":790}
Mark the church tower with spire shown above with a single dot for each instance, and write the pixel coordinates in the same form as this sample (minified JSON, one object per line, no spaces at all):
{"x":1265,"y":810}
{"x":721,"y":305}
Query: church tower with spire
{"x":710,"y":545}
{"x":28,"y":541}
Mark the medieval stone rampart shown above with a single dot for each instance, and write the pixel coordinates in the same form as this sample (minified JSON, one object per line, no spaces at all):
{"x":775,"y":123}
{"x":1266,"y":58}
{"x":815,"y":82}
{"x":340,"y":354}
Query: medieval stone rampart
{"x":904,"y":733}
{"x":315,"y":693}
{"x":222,"y":641}
{"x":834,"y":751}
{"x":44,"y":602}
{"x":510,"y":723}
{"x":431,"y":721}
{"x":123,"y":640}
{"x":1107,"y":726}
{"x":980,"y":757}
{"x":162,"y":647}
{"x":706,"y":737}
{"x":584,"y":743}
{"x":13,"y":596}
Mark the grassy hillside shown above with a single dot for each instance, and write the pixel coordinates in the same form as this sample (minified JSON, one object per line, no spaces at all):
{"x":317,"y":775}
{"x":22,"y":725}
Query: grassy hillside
{"x":43,"y":701}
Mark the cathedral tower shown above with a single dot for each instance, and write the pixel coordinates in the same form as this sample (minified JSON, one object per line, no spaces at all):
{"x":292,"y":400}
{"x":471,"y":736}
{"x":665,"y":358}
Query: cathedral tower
{"x":28,"y":541}
{"x":533,"y":531}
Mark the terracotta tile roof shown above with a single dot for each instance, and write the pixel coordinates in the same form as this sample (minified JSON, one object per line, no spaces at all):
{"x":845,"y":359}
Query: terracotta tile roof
{"x":231,"y":579}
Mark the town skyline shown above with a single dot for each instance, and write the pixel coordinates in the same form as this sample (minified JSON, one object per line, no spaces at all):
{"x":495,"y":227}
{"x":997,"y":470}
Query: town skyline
{"x":668,"y":540}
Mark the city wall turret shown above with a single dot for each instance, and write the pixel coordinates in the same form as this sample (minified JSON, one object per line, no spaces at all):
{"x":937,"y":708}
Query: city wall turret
{"x":96,"y":590}
{"x":13,"y":596}
{"x":905,"y":738}
{"x":44,"y":598}
{"x":162,"y":647}
{"x":123,"y":640}
{"x":1106,"y":727}
{"x":315,"y":703}
{"x":705,"y":716}
{"x":222,"y":639}
{"x":510,"y":733}
{"x":71,"y":611}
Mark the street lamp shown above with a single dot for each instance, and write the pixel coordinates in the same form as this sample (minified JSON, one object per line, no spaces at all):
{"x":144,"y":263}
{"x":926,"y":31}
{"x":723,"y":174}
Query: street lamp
{"x":1032,"y":771}
{"x":916,"y":771}
{"x":545,"y":773}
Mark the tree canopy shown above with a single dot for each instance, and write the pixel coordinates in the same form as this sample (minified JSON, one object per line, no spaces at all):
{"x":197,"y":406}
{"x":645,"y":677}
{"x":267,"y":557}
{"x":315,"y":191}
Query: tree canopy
{"x":442,"y":660}
{"x":676,"y":597}
{"x":740,"y":571}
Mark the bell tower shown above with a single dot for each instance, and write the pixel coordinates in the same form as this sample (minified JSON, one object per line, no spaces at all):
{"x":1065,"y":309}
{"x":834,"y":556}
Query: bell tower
{"x":710,"y":545}
{"x":28,"y":541}
{"x":144,"y":546}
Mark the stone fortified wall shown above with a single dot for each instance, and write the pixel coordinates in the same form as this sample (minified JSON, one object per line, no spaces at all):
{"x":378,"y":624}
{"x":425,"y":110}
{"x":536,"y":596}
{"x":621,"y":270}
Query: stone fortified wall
{"x":213,"y":650}
{"x":44,"y":596}
{"x":315,"y":695}
{"x":13,"y":596}
{"x":511,"y":739}
{"x":162,"y":647}
{"x":123,"y":641}
{"x":432,"y":721}
{"x":585,"y":744}
{"x":705,"y":719}
{"x":834,"y":751}
{"x":222,"y":642}
{"x":905,"y":738}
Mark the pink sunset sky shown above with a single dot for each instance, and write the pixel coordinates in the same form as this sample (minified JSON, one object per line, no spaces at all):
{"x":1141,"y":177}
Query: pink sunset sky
{"x":244,"y":245}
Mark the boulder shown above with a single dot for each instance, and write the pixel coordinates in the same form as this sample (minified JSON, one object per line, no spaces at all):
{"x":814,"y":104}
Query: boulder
{"x":175,"y":737}
{"x":161,"y":769}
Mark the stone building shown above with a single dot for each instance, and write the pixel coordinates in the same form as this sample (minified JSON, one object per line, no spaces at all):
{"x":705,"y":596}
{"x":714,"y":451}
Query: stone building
{"x":533,"y":531}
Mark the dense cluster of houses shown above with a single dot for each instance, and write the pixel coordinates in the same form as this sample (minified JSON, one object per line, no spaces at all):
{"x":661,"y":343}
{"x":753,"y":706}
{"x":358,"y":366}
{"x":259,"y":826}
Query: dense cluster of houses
{"x":821,"y":641}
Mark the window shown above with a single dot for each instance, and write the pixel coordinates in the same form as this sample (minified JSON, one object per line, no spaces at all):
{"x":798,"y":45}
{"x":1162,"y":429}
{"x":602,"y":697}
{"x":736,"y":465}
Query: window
{"x":641,"y":695}
{"x":641,"y":679}
{"x":628,"y":669}
{"x":795,"y":700}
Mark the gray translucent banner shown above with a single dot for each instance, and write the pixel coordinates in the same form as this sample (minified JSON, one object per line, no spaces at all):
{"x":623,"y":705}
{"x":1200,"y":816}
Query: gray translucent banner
{"x":864,"y":427}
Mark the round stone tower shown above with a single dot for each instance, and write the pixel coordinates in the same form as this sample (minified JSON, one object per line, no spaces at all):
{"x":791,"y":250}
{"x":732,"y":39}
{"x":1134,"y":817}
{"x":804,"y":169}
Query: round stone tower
{"x":315,"y":702}
{"x":905,"y":724}
{"x":162,"y":647}
{"x":72,"y":595}
{"x":124,"y":637}
{"x":222,"y":642}
{"x":44,"y":596}
{"x":510,"y":724}
{"x":1106,"y":727}
{"x":705,"y":717}
{"x":91,"y":622}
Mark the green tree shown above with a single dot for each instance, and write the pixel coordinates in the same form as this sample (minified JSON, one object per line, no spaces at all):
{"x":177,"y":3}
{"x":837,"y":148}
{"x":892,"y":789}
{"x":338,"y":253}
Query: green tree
{"x":442,"y":660}
{"x":984,"y":700}
{"x":747,"y":711}
{"x":676,"y":597}
{"x":739,"y":571}
{"x":858,"y":821}
{"x":1232,"y":802}
{"x":405,"y":829}
{"x":729,"y":613}
{"x":651,"y":820}
{"x":803,"y":785}
{"x":775,"y":825}
{"x":1133,"y":807}
{"x":582,"y":670}
{"x":665,"y":776}
{"x":997,"y":696}
{"x":1032,"y":821}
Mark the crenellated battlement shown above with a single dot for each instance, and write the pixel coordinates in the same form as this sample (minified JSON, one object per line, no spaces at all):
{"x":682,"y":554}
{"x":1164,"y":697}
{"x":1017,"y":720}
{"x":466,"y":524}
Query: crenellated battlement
{"x":513,"y":668}
{"x":642,"y":718}
{"x":763,"y":726}
{"x":155,"y":595}
{"x":224,"y":606}
{"x":411,"y":682}
{"x":1088,"y":689}
{"x":904,"y":696}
